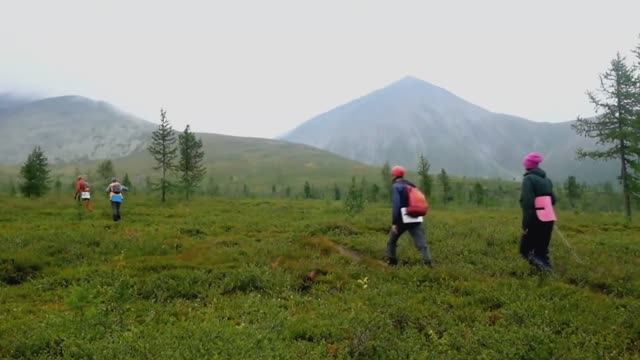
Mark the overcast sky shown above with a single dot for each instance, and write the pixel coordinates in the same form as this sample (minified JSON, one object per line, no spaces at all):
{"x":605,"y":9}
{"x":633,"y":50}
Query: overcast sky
{"x":259,"y":68}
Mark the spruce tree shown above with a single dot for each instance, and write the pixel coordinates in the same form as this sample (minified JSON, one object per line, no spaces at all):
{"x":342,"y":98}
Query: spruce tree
{"x":307,"y":190}
{"x":58,"y":186}
{"x":127,"y":182}
{"x":423,"y":171}
{"x":354,"y":200}
{"x":373,"y":193}
{"x":337,"y":194}
{"x":364,"y":187}
{"x":573,"y":190}
{"x":163,"y":150}
{"x":35,"y":173}
{"x":190,"y":166}
{"x":387,"y":180}
{"x":446,"y":186}
{"x":478,"y":194}
{"x":106,"y":171}
{"x":615,"y":126}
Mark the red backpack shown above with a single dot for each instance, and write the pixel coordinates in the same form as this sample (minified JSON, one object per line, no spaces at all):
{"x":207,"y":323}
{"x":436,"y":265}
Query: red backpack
{"x":418,"y":204}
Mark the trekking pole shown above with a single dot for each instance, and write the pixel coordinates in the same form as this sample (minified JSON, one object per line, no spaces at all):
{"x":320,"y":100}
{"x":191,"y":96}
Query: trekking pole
{"x":566,"y":242}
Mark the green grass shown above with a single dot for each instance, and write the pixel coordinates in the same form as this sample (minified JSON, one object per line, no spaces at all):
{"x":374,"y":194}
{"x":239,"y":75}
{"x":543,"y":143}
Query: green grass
{"x":222,"y":279}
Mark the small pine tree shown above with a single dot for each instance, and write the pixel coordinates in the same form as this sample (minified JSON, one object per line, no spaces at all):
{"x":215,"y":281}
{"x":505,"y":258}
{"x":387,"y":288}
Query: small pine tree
{"x":106,"y":171}
{"x":273,"y":190}
{"x":573,"y":190}
{"x":446,"y":186}
{"x":423,"y":171}
{"x":190,"y":166}
{"x":478,"y":194}
{"x":364,"y":187}
{"x":374,"y":193}
{"x":35,"y":173}
{"x":58,"y":186}
{"x":212,"y":187}
{"x":148,"y":184}
{"x":337,"y":195}
{"x":287,"y":191}
{"x":354,"y":200}
{"x":307,"y":190}
{"x":459,"y":191}
{"x":387,"y":180}
{"x":127,"y":182}
{"x":164,"y":151}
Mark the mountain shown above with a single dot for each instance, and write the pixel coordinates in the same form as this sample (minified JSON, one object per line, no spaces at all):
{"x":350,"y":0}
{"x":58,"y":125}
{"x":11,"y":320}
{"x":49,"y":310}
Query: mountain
{"x":76,"y":133}
{"x":10,"y":100}
{"x":412,"y":116}
{"x":68,"y":128}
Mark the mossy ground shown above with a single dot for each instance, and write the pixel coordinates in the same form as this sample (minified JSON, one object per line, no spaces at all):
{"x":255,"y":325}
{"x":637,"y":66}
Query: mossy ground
{"x":218,"y":278}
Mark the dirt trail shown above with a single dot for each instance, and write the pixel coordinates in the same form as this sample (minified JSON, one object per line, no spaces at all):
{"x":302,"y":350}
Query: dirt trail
{"x":328,"y":244}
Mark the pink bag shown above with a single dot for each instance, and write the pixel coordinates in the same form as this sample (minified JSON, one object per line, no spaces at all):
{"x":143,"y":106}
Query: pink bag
{"x":544,"y":209}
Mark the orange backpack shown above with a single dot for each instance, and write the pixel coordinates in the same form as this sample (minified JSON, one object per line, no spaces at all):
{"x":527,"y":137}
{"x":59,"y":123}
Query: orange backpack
{"x":418,"y":204}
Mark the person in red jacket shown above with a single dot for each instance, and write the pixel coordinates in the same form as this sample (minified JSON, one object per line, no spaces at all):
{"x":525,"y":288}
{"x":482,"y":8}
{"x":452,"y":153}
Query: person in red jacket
{"x":83,"y":193}
{"x":81,"y":185}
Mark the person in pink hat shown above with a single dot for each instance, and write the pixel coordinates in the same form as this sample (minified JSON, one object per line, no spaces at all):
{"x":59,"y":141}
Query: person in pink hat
{"x":538,"y":216}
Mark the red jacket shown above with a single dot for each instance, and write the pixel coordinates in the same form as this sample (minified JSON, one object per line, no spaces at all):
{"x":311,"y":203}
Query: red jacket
{"x":81,"y":186}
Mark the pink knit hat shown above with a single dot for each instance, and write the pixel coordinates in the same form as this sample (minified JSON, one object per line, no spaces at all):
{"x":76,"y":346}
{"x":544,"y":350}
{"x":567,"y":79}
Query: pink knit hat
{"x":531,"y":160}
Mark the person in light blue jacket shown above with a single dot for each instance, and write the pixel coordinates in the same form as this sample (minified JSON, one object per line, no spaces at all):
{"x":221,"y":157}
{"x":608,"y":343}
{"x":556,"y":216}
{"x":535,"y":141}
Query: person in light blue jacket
{"x":115,"y":190}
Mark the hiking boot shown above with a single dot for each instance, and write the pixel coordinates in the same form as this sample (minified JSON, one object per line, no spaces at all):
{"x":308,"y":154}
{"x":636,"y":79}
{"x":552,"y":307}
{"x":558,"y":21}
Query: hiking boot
{"x":539,"y":264}
{"x":428,"y":263}
{"x":392,"y":261}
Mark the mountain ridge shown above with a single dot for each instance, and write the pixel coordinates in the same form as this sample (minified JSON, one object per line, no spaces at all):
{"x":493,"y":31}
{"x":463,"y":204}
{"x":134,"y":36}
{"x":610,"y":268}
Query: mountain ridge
{"x":68,"y":128}
{"x":411,"y":116}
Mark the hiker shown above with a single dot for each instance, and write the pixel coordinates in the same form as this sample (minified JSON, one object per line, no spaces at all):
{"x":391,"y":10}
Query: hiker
{"x":115,"y":190}
{"x":402,"y":222}
{"x":538,"y":215}
{"x":81,"y":186}
{"x":83,"y":194}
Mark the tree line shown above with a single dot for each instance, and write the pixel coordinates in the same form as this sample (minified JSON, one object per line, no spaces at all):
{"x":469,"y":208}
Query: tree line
{"x":178,"y":157}
{"x":441,"y":189}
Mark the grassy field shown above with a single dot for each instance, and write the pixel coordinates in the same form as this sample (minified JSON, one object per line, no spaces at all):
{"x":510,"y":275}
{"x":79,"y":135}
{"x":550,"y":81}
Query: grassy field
{"x":224,"y":279}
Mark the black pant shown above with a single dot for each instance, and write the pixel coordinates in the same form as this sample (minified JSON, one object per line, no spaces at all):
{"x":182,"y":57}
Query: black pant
{"x":419,"y":240}
{"x":115,"y":207}
{"x":535,"y":241}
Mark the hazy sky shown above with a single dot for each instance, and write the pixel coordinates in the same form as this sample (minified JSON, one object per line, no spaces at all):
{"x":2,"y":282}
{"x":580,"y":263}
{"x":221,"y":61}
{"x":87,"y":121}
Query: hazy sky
{"x":259,"y":68}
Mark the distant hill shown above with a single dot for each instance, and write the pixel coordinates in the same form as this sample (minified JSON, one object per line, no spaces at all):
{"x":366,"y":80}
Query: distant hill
{"x":412,"y":116}
{"x":76,"y":133}
{"x":68,"y":128}
{"x":10,"y":100}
